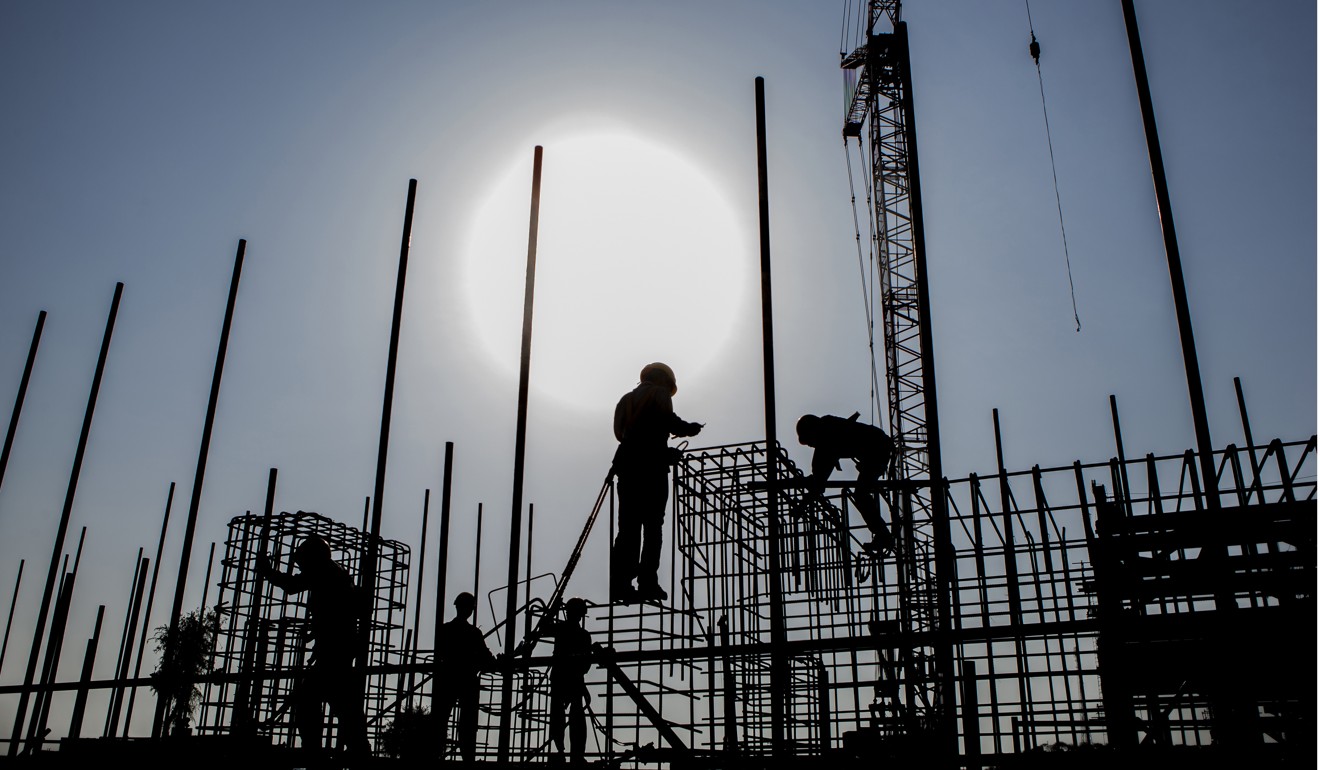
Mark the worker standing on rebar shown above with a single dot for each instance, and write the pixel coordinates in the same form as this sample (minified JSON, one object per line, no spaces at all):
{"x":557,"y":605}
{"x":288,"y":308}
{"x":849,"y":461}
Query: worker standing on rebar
{"x":644,"y":420}
{"x":461,"y":655}
{"x":570,"y":661}
{"x":870,"y":449}
{"x":333,"y":610}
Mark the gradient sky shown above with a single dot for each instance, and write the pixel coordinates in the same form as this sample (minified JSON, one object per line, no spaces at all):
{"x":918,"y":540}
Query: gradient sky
{"x":140,"y":141}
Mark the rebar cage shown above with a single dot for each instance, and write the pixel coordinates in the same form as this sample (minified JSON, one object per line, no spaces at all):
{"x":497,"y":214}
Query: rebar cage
{"x":263,"y":635}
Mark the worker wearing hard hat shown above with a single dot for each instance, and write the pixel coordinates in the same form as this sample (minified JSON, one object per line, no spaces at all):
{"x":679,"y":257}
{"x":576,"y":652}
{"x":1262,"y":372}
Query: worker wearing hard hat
{"x":644,"y":420}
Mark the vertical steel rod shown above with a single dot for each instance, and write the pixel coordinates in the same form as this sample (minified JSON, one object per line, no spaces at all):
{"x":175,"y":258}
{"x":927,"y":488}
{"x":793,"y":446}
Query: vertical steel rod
{"x":190,"y":526}
{"x":20,"y":715}
{"x":1200,"y":423}
{"x":442,"y":556}
{"x":13,"y":602}
{"x":22,"y":393}
{"x":520,"y":448}
{"x":417,"y":611}
{"x":387,"y":405}
{"x":89,"y":658}
{"x":778,"y":659}
{"x":421,"y":573}
{"x":527,"y":595}
{"x":476,"y":566}
{"x":151,"y":597}
{"x":206,"y":581}
{"x":125,"y":643}
{"x":1246,"y":434}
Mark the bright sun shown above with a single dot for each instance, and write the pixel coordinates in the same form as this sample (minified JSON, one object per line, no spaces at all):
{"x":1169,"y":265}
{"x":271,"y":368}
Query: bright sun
{"x":639,"y":258}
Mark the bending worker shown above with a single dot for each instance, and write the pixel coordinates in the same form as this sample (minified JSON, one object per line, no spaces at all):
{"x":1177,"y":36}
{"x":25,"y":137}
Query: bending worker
{"x":644,"y":420}
{"x":870,"y":449}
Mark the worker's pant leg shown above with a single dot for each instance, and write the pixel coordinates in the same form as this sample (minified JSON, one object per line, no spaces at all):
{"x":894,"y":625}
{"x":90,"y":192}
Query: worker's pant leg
{"x":642,"y":493}
{"x":655,"y":493}
{"x":577,"y":730}
{"x":467,"y":722}
{"x":558,"y":703}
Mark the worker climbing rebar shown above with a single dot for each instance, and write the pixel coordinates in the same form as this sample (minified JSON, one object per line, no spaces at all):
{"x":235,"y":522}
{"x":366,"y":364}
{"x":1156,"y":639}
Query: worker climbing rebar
{"x":870,"y":449}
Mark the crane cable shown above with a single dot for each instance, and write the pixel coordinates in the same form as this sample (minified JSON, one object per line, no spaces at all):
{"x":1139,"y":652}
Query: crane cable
{"x":1035,"y":54}
{"x":868,"y":285}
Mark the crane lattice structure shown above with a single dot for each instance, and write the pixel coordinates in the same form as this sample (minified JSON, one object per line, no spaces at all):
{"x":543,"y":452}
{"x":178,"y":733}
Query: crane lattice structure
{"x":882,"y":104}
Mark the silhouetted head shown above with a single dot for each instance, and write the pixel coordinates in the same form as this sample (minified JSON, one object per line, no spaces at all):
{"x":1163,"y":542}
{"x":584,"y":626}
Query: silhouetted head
{"x":807,"y":426}
{"x":575,"y":608}
{"x":465,"y":603}
{"x":659,"y":374}
{"x":313,"y":551}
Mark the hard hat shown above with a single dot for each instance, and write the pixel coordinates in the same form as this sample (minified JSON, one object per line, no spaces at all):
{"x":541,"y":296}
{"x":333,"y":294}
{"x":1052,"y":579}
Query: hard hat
{"x":313,"y":548}
{"x":465,"y":599}
{"x":806,"y":428}
{"x":576,"y":607}
{"x":659,"y":374}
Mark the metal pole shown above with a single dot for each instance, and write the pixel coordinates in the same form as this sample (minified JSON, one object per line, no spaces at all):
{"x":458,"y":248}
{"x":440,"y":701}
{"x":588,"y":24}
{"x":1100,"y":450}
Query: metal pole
{"x":1246,"y":433}
{"x":151,"y":598}
{"x":387,"y":405}
{"x":54,"y":651}
{"x":190,"y":527}
{"x":125,"y":643}
{"x":1205,"y":449}
{"x":476,"y":566}
{"x":778,"y":661}
{"x":442,"y":558}
{"x":21,"y":714}
{"x":9,"y":624}
{"x":22,"y":393}
{"x":89,"y":658}
{"x":417,"y":611}
{"x":206,"y":581}
{"x":520,"y":448}
{"x":421,"y":572}
{"x":527,"y":602}
{"x":387,"y":408}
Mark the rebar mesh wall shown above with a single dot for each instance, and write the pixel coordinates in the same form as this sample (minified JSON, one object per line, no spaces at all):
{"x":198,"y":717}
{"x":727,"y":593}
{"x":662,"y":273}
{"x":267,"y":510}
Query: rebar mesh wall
{"x":1024,"y":609}
{"x":263,"y":639}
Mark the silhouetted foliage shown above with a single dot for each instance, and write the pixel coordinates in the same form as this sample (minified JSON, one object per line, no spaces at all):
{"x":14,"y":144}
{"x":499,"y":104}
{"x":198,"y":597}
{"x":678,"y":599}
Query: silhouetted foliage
{"x":184,"y":656}
{"x":409,"y":734}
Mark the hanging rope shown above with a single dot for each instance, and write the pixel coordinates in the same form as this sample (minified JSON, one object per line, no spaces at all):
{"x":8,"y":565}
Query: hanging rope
{"x":1034,"y":48}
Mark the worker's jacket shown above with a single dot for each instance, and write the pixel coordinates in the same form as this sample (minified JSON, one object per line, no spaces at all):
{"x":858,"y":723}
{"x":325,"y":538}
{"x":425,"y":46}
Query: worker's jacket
{"x":644,"y":420}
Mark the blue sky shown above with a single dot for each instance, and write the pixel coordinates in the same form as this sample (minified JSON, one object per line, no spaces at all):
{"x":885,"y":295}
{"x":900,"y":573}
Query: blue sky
{"x":139,"y":141}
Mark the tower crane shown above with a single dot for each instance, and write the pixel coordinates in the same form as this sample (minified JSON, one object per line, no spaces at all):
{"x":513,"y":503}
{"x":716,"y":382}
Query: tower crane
{"x":881,"y":106}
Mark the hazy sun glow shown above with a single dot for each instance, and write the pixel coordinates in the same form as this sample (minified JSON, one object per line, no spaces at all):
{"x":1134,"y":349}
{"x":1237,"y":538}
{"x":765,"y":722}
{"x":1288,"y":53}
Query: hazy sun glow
{"x":639,"y":258}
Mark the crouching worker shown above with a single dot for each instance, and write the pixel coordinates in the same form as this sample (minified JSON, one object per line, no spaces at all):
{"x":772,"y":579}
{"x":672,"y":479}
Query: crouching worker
{"x":870,"y":449}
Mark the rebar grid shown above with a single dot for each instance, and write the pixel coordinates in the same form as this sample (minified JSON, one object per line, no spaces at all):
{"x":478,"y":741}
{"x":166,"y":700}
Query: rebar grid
{"x":1025,"y":630}
{"x":263,"y":633}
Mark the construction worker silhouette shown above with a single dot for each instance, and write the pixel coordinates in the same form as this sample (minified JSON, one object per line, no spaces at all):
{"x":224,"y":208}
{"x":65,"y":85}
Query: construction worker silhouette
{"x":570,"y":661}
{"x":644,"y":420}
{"x":334,"y":608}
{"x":461,"y":656}
{"x":870,"y":449}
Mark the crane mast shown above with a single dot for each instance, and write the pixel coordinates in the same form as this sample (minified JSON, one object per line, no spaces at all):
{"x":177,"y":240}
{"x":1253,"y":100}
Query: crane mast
{"x":881,"y":104}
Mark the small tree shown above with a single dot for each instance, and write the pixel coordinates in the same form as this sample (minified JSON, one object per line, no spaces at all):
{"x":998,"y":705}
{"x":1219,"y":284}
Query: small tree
{"x":184,"y":656}
{"x":410,"y":734}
